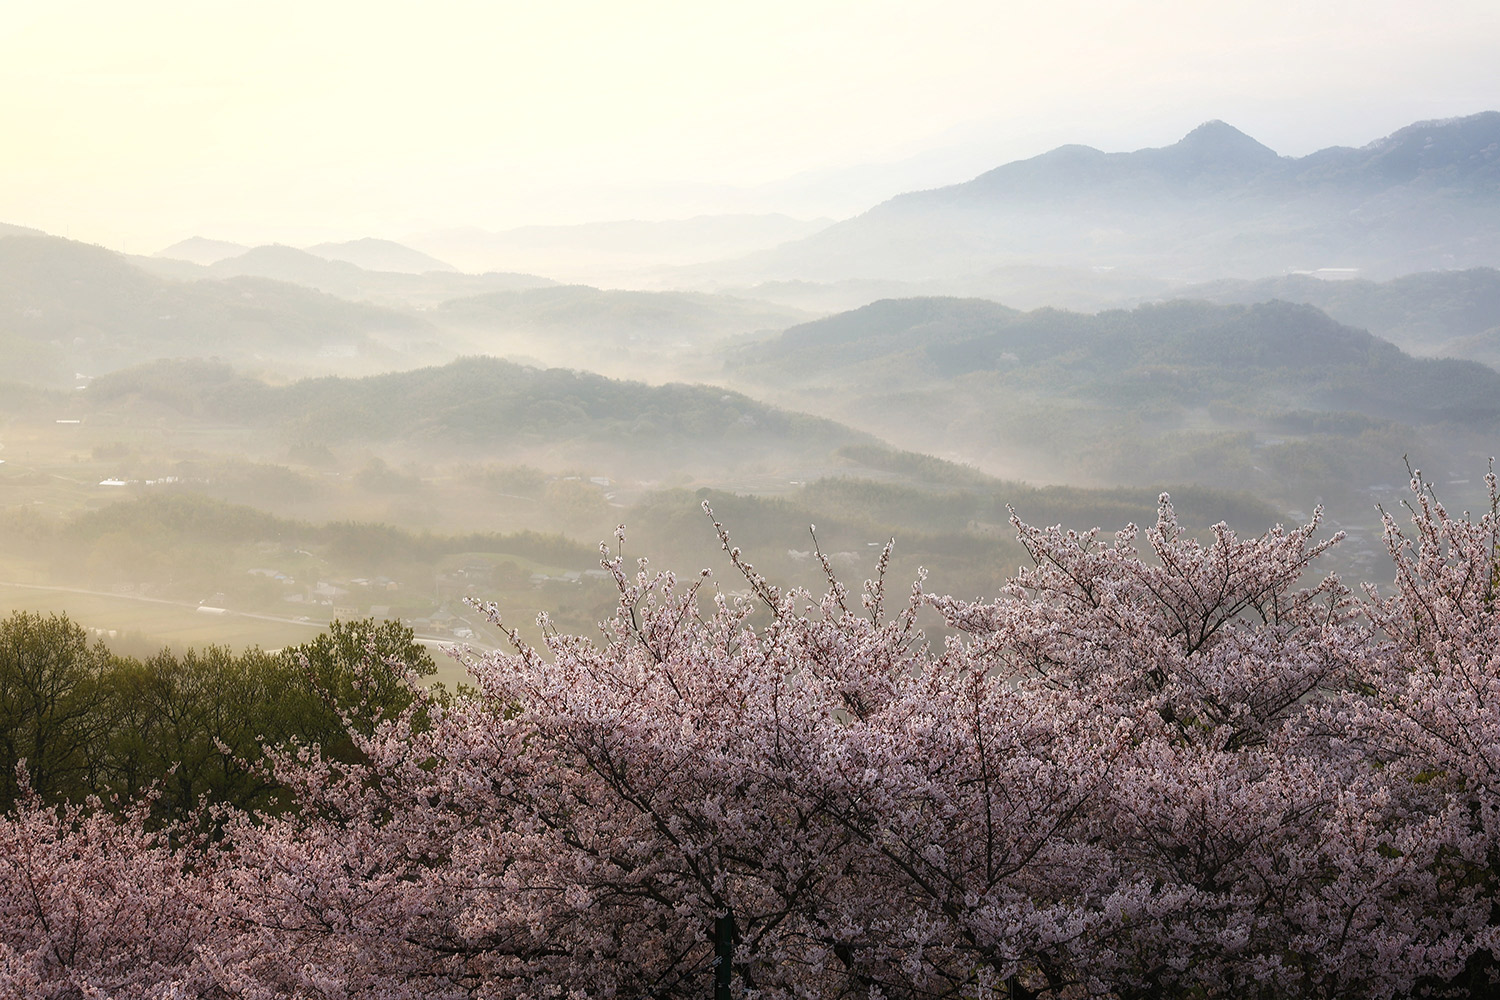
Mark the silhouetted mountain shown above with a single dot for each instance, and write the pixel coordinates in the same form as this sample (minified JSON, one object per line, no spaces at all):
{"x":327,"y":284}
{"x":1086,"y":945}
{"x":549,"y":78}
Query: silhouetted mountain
{"x":346,"y":280}
{"x":890,"y":327}
{"x":381,"y":255}
{"x":1215,"y":204}
{"x":368,"y":254}
{"x":1208,"y":159}
{"x":1458,"y":152}
{"x":284,"y":263}
{"x":1223,"y":353}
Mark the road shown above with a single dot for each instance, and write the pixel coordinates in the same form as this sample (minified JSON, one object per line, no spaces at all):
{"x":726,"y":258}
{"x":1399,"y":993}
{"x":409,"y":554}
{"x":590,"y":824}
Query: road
{"x":432,"y":641}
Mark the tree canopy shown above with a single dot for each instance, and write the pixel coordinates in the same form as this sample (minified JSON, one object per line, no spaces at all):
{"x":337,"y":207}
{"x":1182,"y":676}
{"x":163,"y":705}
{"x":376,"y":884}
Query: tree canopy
{"x":1151,"y":766}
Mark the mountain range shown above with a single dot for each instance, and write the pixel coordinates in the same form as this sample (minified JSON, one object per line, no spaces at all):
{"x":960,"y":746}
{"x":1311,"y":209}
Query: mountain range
{"x":1075,"y":226}
{"x":626,"y":252}
{"x":368,"y":253}
{"x":1215,"y":204}
{"x":344,"y":278}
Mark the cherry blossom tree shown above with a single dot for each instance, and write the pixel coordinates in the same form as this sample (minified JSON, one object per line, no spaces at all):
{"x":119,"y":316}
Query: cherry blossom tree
{"x":93,"y":904}
{"x":1425,"y":706}
{"x":1152,"y":766}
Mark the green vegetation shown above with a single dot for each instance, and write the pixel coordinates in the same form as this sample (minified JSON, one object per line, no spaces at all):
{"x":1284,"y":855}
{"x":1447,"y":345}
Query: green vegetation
{"x":88,"y":722}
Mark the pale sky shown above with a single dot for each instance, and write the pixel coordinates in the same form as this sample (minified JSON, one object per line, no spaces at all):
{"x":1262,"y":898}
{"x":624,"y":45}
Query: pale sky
{"x":137,"y":124}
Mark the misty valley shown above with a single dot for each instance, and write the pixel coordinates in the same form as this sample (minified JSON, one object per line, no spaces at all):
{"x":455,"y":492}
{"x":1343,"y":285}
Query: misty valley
{"x":309,"y":434}
{"x":222,"y":462}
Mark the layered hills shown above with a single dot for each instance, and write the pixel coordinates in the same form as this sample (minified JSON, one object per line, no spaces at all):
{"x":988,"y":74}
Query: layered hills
{"x":369,"y":253}
{"x":1274,"y":397}
{"x":69,"y":307}
{"x":343,"y":277}
{"x":619,"y":251}
{"x":351,"y":396}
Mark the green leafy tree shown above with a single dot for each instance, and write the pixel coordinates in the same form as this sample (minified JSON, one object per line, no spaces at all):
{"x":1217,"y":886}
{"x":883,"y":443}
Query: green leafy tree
{"x":195,"y":724}
{"x":333,"y":677}
{"x":50,"y":693}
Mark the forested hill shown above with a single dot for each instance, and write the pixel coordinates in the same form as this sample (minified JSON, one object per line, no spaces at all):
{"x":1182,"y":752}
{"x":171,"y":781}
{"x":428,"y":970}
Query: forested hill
{"x":1179,"y":352}
{"x":1452,"y":314}
{"x":1273,"y":397}
{"x":482,"y":403}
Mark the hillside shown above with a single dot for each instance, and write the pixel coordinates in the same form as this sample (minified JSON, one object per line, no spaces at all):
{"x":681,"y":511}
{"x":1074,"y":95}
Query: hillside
{"x":1452,"y":314}
{"x":1194,"y":353}
{"x":488,"y":409}
{"x":1274,"y":397}
{"x":201,"y":250}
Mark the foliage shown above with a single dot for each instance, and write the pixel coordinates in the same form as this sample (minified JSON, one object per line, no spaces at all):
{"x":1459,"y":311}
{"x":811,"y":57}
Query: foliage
{"x":81,"y":721}
{"x":1197,"y":772}
{"x":50,"y":696}
{"x":333,"y":669}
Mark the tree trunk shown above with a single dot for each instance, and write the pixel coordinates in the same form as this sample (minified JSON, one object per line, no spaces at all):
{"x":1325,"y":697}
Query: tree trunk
{"x":723,"y":954}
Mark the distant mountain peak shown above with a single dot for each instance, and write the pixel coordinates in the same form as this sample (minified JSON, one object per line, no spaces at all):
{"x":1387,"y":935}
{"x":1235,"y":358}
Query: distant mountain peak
{"x":1216,"y":130}
{"x":1218,"y":141}
{"x":201,"y":250}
